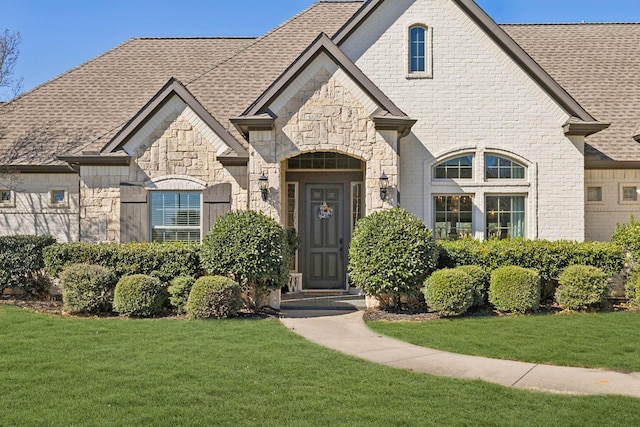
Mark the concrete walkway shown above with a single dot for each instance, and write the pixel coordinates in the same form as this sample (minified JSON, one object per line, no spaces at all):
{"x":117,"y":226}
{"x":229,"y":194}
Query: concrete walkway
{"x":337,"y":323}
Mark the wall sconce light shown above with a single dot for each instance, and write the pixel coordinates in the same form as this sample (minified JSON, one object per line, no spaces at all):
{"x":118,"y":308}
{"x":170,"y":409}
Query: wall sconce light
{"x":384,"y":185}
{"x":264,"y":186}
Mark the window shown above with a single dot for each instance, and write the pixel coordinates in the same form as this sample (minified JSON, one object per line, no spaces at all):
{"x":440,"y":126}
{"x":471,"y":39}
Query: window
{"x":324,"y":160}
{"x":292,"y":216}
{"x":454,"y":216}
{"x":458,"y":168}
{"x":58,"y":198}
{"x":418,"y":49}
{"x":629,"y":194}
{"x":175,"y":216}
{"x":6,"y":197}
{"x":505,"y":217}
{"x":357,"y":203}
{"x":501,"y":168}
{"x":594,"y":194}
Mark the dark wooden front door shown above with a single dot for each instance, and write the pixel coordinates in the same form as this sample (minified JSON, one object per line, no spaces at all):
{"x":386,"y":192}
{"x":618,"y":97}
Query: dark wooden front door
{"x":324,"y":245}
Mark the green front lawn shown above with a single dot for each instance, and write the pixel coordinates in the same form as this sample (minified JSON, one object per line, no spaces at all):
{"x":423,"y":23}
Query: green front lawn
{"x":598,"y":340}
{"x":60,"y":371}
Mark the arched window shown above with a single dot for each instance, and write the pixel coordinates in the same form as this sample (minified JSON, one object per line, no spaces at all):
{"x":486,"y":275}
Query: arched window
{"x":501,"y":168}
{"x":418,"y":49}
{"x":456,"y":168}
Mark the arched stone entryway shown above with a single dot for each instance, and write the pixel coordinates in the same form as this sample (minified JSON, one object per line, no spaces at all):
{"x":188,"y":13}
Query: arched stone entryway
{"x":324,"y":198}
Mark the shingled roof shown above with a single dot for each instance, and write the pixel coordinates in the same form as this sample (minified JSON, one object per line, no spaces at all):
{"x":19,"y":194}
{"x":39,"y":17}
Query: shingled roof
{"x":598,"y":65}
{"x":81,"y":110}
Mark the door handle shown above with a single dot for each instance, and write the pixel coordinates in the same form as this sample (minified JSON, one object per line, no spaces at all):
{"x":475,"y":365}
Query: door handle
{"x":341,"y":244}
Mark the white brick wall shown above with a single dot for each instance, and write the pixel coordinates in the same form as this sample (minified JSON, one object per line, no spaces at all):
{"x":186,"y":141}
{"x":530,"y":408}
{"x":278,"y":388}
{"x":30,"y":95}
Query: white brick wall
{"x":31,"y":210}
{"x":478,"y":99}
{"x":601,"y":217}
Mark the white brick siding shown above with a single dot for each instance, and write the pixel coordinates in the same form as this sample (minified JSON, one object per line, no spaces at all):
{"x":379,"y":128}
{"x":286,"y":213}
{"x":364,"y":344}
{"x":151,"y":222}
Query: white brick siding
{"x":601,"y":217}
{"x":478,"y":98}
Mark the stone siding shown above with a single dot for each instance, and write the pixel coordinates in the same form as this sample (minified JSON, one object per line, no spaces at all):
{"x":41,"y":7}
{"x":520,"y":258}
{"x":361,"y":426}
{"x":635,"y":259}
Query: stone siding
{"x":326,"y":111}
{"x":174,"y":152}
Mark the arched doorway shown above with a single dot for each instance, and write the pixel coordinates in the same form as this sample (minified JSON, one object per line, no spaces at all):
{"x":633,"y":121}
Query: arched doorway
{"x":324,"y":199}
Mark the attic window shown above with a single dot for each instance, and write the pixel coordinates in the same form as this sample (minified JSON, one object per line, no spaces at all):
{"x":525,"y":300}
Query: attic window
{"x":419,"y":51}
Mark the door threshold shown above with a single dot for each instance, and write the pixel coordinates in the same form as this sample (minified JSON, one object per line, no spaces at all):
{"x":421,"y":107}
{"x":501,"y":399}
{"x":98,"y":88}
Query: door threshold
{"x":323,"y":292}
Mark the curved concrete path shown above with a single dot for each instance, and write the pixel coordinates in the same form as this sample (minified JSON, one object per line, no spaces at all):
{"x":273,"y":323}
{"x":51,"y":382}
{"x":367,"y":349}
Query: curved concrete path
{"x":337,"y":324}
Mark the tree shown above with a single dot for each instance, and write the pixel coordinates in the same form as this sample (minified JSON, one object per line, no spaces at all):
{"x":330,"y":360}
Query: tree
{"x":9,"y":52}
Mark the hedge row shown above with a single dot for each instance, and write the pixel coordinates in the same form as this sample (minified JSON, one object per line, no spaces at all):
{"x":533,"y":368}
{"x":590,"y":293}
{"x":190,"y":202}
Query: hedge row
{"x":548,"y":258}
{"x":162,"y":260}
{"x":21,"y":261}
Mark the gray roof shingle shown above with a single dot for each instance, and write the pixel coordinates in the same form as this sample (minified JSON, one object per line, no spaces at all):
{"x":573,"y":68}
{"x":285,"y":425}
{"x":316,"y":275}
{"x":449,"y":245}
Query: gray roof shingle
{"x":598,"y":65}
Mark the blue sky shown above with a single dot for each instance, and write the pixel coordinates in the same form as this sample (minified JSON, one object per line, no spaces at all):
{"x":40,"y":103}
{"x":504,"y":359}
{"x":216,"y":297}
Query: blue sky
{"x":60,"y":34}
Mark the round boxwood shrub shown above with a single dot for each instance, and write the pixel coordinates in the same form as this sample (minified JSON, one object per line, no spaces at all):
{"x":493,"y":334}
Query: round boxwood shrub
{"x":480,"y":283}
{"x":392,"y":252}
{"x":582,"y":287}
{"x":214,"y":296}
{"x":87,"y":288}
{"x":139,"y":295}
{"x":515,"y":289}
{"x":178,"y":290}
{"x":251,"y":248}
{"x":449,"y":291}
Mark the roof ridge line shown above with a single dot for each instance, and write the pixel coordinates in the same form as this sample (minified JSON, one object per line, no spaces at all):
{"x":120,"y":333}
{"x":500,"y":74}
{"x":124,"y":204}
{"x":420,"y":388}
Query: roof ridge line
{"x":257,"y":40}
{"x":551,"y":24}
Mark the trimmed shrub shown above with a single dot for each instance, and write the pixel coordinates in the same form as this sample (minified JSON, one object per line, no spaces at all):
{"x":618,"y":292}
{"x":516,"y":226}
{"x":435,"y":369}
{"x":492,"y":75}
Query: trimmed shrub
{"x":515,"y":289}
{"x":179,"y":289}
{"x":87,"y":288}
{"x":252,"y":249}
{"x":21,"y":262}
{"x":392,"y":252}
{"x":163,"y":260}
{"x":138,"y":295}
{"x":449,"y":291}
{"x":214,"y":296}
{"x":582,"y":287}
{"x":479,"y":281}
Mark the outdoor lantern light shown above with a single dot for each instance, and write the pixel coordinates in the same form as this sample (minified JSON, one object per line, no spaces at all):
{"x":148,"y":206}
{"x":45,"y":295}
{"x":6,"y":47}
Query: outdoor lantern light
{"x":384,"y":185}
{"x":264,"y":186}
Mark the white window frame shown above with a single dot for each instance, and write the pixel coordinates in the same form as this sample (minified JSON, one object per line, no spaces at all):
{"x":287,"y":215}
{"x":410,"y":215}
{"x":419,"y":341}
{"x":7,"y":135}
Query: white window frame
{"x":473,"y":206}
{"x":510,"y":195}
{"x":168,"y":227}
{"x":428,"y":53}
{"x":513,"y":162}
{"x":597,"y":187}
{"x":440,"y":163}
{"x":296,"y":213}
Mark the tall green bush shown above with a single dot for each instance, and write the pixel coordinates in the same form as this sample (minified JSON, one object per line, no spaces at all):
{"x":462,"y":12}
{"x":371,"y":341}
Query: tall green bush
{"x":515,"y":289}
{"x":252,"y":249}
{"x":627,"y":235}
{"x":87,"y":288}
{"x":391,"y":252}
{"x":449,"y":291}
{"x":479,"y":283}
{"x":163,"y":260}
{"x":138,"y":295}
{"x":582,"y":287}
{"x":21,"y":262}
{"x":214,"y":296}
{"x":632,"y":287}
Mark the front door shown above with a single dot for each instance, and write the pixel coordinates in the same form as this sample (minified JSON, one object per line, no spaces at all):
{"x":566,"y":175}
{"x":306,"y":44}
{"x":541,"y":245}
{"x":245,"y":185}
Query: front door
{"x":324,"y":243}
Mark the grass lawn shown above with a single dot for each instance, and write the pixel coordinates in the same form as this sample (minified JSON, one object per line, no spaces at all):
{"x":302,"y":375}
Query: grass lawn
{"x":60,"y":371}
{"x":598,"y":340}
